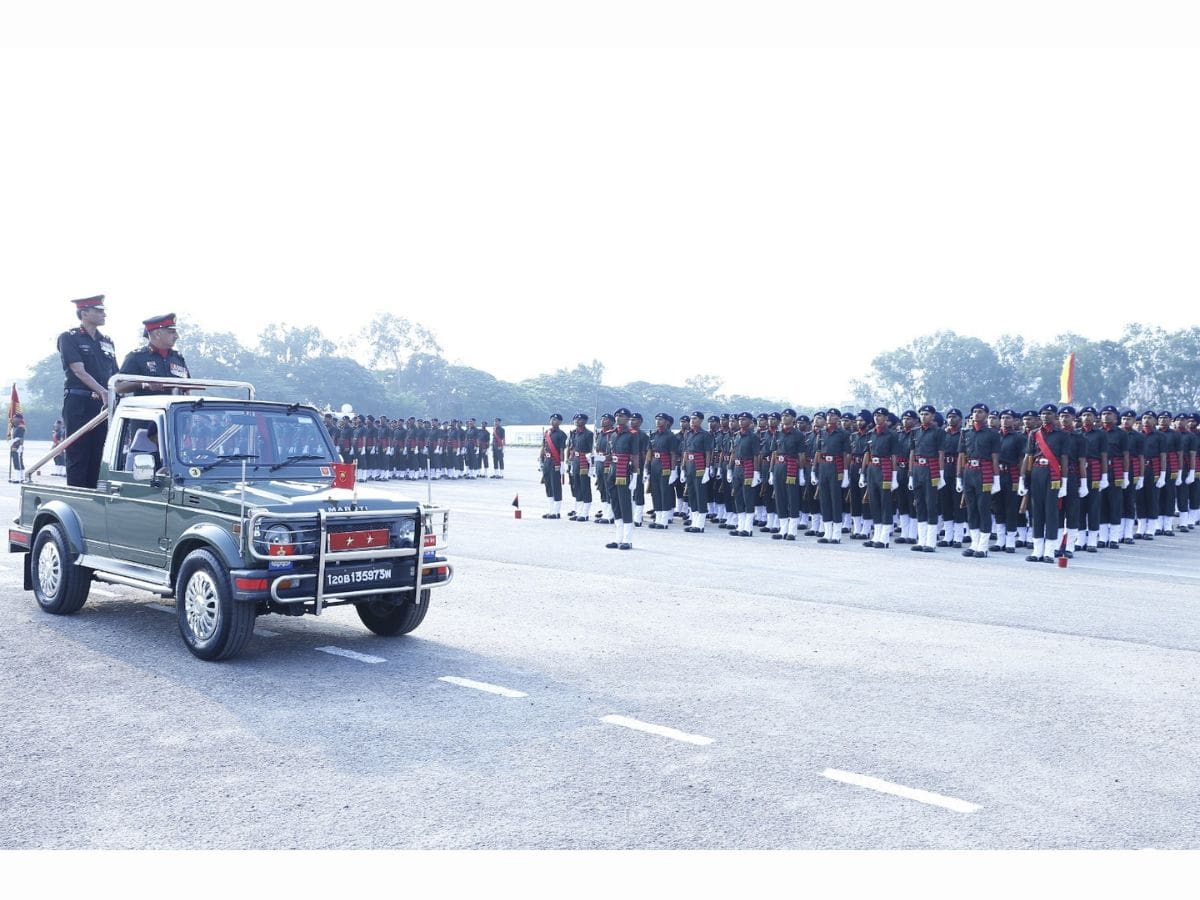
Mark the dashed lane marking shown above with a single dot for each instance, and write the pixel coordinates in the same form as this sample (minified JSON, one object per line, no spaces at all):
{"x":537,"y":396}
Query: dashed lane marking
{"x":350,"y":654}
{"x":482,"y":686}
{"x":661,"y":730}
{"x":899,"y":790}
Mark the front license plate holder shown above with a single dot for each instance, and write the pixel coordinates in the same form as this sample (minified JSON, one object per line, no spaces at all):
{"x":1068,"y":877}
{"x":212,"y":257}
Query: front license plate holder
{"x":365,"y":576}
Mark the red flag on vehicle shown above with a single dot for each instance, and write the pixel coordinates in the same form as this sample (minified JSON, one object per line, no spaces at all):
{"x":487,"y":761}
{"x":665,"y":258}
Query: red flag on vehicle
{"x":343,"y":475}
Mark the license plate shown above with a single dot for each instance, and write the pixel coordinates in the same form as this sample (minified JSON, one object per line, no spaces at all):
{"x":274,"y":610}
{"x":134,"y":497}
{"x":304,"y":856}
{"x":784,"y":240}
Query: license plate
{"x":355,"y":578}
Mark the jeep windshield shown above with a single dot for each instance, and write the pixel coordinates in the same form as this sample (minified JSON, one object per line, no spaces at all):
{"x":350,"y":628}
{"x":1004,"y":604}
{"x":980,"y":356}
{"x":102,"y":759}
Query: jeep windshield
{"x":214,"y":439}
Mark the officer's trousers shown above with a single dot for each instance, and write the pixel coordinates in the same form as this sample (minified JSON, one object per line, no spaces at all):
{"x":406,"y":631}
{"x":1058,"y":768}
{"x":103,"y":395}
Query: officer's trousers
{"x":662,"y":492}
{"x":856,"y":493}
{"x":787,"y":496}
{"x":552,"y":480}
{"x":581,"y":485}
{"x":925,"y":496}
{"x":697,"y":491}
{"x":829,"y":493}
{"x":1043,"y":505}
{"x":952,"y":508}
{"x":1071,"y":505}
{"x":1166,"y":497}
{"x":1114,"y":504}
{"x":743,"y":495}
{"x":1006,"y":506}
{"x":1147,"y":499}
{"x":902,"y":496}
{"x":979,"y":504}
{"x":879,"y":497}
{"x":621,"y":499}
{"x":83,"y":457}
{"x":498,"y":459}
{"x":1092,"y":509}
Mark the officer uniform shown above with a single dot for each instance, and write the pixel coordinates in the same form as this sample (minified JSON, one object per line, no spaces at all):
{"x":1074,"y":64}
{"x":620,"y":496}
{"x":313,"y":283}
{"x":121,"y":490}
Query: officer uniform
{"x":764,"y":502}
{"x":1173,"y":479}
{"x":954,"y":515}
{"x":152,"y":362}
{"x":81,"y":404}
{"x":927,"y":460}
{"x":624,"y":466}
{"x":579,"y":458}
{"x":786,"y":472}
{"x":497,"y":449}
{"x":1075,"y":483}
{"x":1095,"y":462}
{"x":551,"y":460}
{"x":979,"y":463}
{"x":662,"y":469}
{"x":904,"y":496}
{"x":601,"y":462}
{"x":16,"y":449}
{"x":1154,"y":461}
{"x":697,"y":454}
{"x":860,"y":512}
{"x":743,"y":474}
{"x":879,"y":475}
{"x":1046,"y":453}
{"x":833,"y":459}
{"x":641,"y":451}
{"x":485,"y":441}
{"x":1006,"y":506}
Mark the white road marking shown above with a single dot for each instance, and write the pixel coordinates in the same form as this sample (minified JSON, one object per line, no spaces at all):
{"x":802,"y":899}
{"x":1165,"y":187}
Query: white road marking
{"x":482,"y":686}
{"x":350,"y":654}
{"x":899,"y":790}
{"x":161,"y":607}
{"x":660,"y":730}
{"x":102,"y":592}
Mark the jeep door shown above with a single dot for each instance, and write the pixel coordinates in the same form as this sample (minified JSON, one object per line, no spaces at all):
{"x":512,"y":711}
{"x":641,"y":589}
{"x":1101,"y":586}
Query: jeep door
{"x":137,"y":510}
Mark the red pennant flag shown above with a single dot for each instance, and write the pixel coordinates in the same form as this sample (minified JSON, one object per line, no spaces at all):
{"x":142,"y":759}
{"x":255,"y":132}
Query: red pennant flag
{"x":343,"y":475}
{"x":14,"y":409}
{"x":516,"y":501}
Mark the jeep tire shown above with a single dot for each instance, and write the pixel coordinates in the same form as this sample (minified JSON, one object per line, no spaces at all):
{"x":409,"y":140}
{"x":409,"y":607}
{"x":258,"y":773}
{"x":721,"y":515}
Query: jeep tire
{"x":60,"y":586}
{"x":214,"y":626}
{"x":388,"y":618}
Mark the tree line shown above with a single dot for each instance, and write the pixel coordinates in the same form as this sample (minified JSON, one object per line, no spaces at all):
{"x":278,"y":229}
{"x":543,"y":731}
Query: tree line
{"x":396,"y":366}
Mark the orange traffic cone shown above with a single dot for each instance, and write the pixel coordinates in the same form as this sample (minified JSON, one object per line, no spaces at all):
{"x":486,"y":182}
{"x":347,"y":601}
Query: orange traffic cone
{"x":517,"y":503}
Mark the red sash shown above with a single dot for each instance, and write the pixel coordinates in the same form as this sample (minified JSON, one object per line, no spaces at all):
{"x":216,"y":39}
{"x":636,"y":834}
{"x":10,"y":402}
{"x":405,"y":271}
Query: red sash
{"x":1048,"y":454}
{"x":554,"y":454}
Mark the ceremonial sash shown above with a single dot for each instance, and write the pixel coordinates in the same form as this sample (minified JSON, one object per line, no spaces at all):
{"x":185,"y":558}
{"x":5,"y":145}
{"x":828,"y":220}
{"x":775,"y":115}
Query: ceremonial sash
{"x":1094,"y":473}
{"x":1051,"y":459}
{"x":553,"y":450}
{"x":1172,"y":462}
{"x":621,"y":463}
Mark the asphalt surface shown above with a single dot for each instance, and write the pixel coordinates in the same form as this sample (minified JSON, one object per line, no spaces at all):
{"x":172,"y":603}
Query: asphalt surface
{"x":1039,"y":707}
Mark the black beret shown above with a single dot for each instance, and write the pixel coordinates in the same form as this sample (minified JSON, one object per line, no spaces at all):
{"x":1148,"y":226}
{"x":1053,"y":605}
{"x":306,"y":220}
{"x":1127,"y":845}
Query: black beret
{"x":909,"y":414}
{"x":982,"y":406}
{"x":954,"y":411}
{"x":1068,"y":409}
{"x":580,"y":417}
{"x":881,"y":411}
{"x":1088,"y":409}
{"x":833,"y":411}
{"x":1048,"y":408}
{"x":623,"y":411}
{"x":1109,"y":409}
{"x":927,"y":408}
{"x":712,"y":419}
{"x":554,"y":416}
{"x":789,"y":412}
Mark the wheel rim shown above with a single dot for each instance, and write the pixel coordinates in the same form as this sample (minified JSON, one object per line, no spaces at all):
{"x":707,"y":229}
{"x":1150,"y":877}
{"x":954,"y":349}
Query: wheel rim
{"x":49,"y":570}
{"x":201,"y":607}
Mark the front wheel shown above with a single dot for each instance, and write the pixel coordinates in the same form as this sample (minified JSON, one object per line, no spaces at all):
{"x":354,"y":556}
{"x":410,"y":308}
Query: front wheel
{"x":60,"y":586}
{"x":387,"y":618}
{"x":214,"y":626}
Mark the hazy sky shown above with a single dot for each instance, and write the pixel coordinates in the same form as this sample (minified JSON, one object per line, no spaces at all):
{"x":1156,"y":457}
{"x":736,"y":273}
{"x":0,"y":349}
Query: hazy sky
{"x":773,"y":215}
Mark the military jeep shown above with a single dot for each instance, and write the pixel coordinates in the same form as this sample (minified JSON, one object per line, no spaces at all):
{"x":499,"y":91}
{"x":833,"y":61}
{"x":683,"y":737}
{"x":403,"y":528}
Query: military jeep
{"x":227,"y":504}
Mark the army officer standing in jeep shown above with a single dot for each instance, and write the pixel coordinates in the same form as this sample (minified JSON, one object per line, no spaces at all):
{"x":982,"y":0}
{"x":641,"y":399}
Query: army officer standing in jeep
{"x":157,"y":359}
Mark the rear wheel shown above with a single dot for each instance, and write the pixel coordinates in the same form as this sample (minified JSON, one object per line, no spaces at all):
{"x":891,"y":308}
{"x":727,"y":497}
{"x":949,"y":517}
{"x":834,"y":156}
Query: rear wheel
{"x":214,"y":626}
{"x":60,"y":586}
{"x":388,"y":618}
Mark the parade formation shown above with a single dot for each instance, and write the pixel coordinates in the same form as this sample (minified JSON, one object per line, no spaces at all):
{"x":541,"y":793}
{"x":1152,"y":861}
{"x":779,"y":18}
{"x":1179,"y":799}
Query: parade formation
{"x":410,"y":449}
{"x":1052,"y":481}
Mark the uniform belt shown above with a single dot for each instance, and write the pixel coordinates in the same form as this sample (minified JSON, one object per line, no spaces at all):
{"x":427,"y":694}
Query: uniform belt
{"x":1041,"y":461}
{"x":828,"y":457}
{"x":661,"y":454}
{"x":923,"y":460}
{"x":875,"y":460}
{"x":974,"y":463}
{"x":79,"y":392}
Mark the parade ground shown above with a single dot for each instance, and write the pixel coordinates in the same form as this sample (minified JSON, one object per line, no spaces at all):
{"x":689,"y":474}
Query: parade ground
{"x":697,"y":692}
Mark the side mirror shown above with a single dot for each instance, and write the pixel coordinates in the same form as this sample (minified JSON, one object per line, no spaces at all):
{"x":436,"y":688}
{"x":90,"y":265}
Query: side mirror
{"x":143,"y":467}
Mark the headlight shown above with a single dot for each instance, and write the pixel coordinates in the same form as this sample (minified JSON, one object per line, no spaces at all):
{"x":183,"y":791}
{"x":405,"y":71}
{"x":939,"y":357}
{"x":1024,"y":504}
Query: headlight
{"x":279,"y":534}
{"x":404,"y":531}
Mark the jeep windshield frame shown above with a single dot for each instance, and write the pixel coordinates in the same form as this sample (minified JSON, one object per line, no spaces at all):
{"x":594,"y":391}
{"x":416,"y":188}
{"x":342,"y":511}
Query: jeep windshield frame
{"x":211,"y":440}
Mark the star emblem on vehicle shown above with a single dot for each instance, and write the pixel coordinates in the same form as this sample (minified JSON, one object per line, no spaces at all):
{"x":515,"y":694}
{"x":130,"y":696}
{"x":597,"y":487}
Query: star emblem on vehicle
{"x":370,"y":538}
{"x":349,"y":541}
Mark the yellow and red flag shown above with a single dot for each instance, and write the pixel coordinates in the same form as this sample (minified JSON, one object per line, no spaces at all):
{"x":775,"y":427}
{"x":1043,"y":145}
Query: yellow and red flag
{"x":1067,"y":380}
{"x":14,"y":409}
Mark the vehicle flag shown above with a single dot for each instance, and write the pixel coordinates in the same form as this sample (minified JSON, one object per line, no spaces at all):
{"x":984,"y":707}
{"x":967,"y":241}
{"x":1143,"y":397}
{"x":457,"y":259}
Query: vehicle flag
{"x":516,"y":501}
{"x":344,"y":474}
{"x":1067,"y":381}
{"x":14,"y":407}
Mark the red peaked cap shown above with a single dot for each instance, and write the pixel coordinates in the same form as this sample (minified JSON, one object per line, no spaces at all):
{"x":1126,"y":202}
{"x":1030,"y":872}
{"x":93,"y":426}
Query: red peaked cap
{"x":90,"y":302}
{"x":167,"y":321}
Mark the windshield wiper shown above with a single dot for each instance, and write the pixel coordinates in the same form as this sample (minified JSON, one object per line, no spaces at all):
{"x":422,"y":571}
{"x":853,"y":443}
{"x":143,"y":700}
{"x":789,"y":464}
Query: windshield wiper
{"x":296,"y":458}
{"x":227,"y":456}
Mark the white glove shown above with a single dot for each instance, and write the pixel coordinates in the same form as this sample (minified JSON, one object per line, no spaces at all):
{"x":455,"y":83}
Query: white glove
{"x":706,"y":477}
{"x":1191,"y":477}
{"x":1021,"y":489}
{"x":462,"y":451}
{"x":1162,"y":480}
{"x":633,"y":482}
{"x":674,"y":476}
{"x":1141,"y":482}
{"x":912,"y":485}
{"x":958,"y":484}
{"x":1083,"y":487}
{"x":1125,"y":480}
{"x":646,"y":473}
{"x":756,"y":480}
{"x":803,"y":480}
{"x":1103,"y":482}
{"x":941,"y":478}
{"x":1062,"y":491}
{"x":1178,"y":479}
{"x":895,"y":482}
{"x":845,"y":480}
{"x":771,"y":478}
{"x":862,"y":481}
{"x":729,"y":475}
{"x":995,"y":484}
